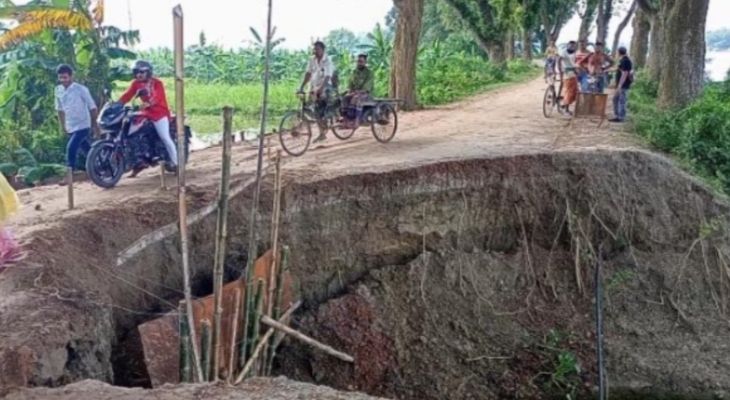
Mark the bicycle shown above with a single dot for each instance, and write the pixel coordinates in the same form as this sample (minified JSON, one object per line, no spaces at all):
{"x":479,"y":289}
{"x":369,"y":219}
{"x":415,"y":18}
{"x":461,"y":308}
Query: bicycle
{"x":295,"y":130}
{"x":552,"y":98}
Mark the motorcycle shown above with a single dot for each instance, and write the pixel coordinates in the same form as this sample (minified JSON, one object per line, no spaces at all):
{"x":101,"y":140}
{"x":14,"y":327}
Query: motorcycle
{"x":129,"y":141}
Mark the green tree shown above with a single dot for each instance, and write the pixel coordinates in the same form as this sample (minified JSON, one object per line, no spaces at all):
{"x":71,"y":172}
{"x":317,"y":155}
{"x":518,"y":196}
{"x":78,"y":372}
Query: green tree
{"x":341,"y":40}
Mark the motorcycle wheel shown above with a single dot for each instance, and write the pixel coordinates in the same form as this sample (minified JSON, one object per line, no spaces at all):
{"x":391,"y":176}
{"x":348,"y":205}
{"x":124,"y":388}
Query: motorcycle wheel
{"x":105,"y":164}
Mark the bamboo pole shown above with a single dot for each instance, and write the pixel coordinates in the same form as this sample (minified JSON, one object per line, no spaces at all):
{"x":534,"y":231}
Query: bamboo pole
{"x":262,"y":344}
{"x":70,"y":184}
{"x":234,"y":334}
{"x":258,"y":310}
{"x":185,"y":371}
{"x":183,"y":211}
{"x":275,"y":216}
{"x":277,"y":308}
{"x":220,"y":240}
{"x":306,"y":339}
{"x":206,"y":344}
{"x":257,"y":193}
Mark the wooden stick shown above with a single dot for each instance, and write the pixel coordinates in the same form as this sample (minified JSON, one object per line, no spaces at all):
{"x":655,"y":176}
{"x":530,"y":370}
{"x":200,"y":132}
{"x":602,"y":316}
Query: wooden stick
{"x":234,"y":334}
{"x":275,"y":215}
{"x":277,"y":302}
{"x":183,"y":208}
{"x":220,"y":240}
{"x":306,"y":339}
{"x":262,"y":343}
{"x":258,"y":312}
{"x":70,"y":184}
{"x":259,"y":168}
{"x":163,"y":184}
{"x":185,"y":371}
{"x":206,"y":346}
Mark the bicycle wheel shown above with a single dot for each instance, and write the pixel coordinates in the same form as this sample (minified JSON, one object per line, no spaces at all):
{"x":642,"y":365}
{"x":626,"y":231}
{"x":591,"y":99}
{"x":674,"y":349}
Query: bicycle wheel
{"x":295,"y":133}
{"x":340,"y":131}
{"x":384,"y":122}
{"x":549,"y":102}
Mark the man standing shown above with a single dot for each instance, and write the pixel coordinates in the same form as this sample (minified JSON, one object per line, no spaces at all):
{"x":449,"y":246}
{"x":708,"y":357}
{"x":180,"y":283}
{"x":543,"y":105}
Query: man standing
{"x":76,"y":113}
{"x":319,"y":72}
{"x":580,"y":55}
{"x":624,"y":79}
{"x":569,"y":76}
{"x":359,"y":89}
{"x":596,"y":64}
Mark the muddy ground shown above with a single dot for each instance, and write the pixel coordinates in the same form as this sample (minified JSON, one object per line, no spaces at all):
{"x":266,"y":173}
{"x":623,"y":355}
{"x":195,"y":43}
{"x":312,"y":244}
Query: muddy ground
{"x":456,"y":261}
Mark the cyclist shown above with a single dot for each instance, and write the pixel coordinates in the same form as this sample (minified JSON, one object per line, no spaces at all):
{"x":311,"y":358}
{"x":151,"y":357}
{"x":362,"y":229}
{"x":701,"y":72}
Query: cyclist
{"x":319,"y":74}
{"x":551,"y":59}
{"x":154,"y":106}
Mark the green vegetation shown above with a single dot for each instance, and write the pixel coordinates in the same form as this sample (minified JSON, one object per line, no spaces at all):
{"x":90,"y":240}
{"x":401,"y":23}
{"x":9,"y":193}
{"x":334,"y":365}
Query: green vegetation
{"x":699,"y":134}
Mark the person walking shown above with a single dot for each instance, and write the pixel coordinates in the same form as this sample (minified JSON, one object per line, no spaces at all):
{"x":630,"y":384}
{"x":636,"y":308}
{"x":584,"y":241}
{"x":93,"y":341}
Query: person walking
{"x":624,"y":79}
{"x":77,"y":113}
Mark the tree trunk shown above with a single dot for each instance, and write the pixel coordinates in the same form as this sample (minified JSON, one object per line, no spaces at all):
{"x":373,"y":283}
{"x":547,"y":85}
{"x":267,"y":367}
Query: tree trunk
{"x":604,"y":16}
{"x":621,"y":27}
{"x":509,"y":45}
{"x":640,"y":38}
{"x":405,"y":52}
{"x":496,"y":53}
{"x":586,"y":22}
{"x":656,"y":48}
{"x":683,"y":53}
{"x":526,"y":45}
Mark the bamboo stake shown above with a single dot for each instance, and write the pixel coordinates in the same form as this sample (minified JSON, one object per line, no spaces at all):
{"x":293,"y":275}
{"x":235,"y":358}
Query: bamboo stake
{"x":277,"y":309}
{"x":275,"y":215}
{"x":183,"y":211}
{"x":163,"y":184}
{"x":220,"y":240}
{"x":258,"y":310}
{"x":262,"y":343}
{"x":206,"y":344}
{"x":306,"y":339}
{"x":70,"y":184}
{"x":259,"y":167}
{"x":234,"y":334}
{"x":185,"y":371}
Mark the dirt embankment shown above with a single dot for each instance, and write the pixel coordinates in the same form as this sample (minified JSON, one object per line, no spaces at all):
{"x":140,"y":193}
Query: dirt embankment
{"x":455,"y":262}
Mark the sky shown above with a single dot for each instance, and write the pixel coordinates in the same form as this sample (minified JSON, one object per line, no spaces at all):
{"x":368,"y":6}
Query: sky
{"x":227,"y":22}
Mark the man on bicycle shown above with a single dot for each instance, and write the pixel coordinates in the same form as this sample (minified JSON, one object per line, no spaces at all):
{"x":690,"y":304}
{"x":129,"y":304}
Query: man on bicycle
{"x":359,"y":90}
{"x":319,"y":74}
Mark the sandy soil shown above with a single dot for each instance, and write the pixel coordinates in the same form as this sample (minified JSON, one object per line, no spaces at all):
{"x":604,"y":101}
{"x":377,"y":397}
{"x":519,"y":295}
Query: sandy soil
{"x":504,"y":122}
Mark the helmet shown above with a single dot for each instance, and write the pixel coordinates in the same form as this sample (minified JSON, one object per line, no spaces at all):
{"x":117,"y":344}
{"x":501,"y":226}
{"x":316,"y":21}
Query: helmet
{"x":142,"y":66}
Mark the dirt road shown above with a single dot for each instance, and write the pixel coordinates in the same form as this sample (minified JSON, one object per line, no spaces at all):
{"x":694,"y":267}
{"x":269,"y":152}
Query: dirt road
{"x":504,"y":122}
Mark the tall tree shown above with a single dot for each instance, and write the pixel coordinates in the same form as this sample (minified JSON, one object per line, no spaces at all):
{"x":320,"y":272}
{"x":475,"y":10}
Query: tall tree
{"x":405,"y":52}
{"x":622,"y":26}
{"x":587,"y":11}
{"x":652,"y":9}
{"x":488,"y":21}
{"x":554,"y":14}
{"x":640,"y":38}
{"x":605,"y":12}
{"x":683,"y":58}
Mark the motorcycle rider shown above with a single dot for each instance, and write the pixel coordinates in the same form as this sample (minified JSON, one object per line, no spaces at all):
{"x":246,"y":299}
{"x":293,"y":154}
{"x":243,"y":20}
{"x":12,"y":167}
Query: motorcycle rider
{"x":154,"y":106}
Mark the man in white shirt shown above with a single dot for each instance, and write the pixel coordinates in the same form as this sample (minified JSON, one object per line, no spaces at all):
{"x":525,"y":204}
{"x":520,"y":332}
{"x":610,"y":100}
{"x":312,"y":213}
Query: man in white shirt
{"x":76,"y":113}
{"x":319,"y":74}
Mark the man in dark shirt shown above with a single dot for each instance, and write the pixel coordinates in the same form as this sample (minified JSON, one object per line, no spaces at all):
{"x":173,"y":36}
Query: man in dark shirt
{"x":624,"y":79}
{"x":359,"y":90}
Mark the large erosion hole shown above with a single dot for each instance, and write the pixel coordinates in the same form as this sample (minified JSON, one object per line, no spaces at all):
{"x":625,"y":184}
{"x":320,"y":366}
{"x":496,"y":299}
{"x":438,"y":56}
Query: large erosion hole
{"x":474,"y":279}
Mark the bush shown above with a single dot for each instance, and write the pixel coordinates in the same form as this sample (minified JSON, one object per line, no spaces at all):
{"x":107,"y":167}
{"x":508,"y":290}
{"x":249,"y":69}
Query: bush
{"x":699,"y":134}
